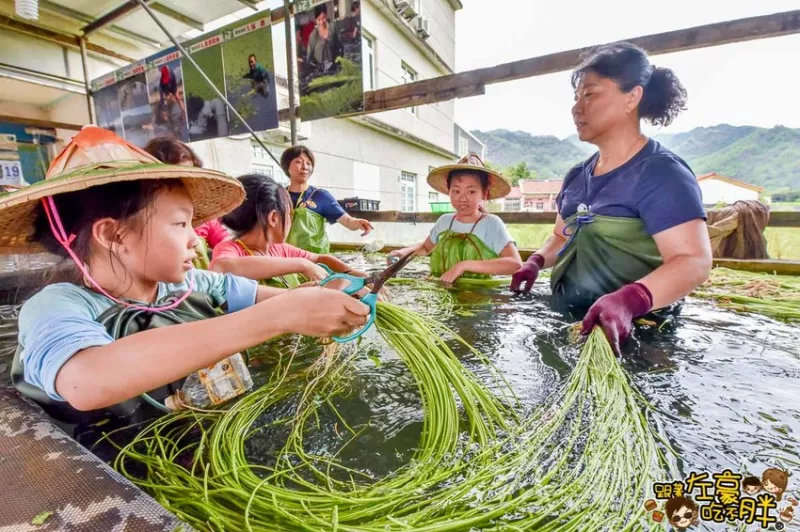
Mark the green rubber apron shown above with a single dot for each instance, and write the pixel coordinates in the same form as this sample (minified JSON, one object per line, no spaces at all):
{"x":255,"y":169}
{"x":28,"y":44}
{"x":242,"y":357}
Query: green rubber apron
{"x":602,"y":254}
{"x":453,"y":248}
{"x":308,"y":228}
{"x":289,"y":280}
{"x":120,"y":321}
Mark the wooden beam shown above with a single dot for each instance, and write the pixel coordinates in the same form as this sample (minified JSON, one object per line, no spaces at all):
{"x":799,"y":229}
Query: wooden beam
{"x":112,"y":16}
{"x":445,"y":87}
{"x":58,"y":38}
{"x":779,"y":267}
{"x":35,"y":122}
{"x":776,"y":219}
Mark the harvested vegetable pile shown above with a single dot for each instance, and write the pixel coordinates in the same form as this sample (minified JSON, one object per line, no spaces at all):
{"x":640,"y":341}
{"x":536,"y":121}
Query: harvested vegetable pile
{"x":775,"y":296}
{"x":583,"y":460}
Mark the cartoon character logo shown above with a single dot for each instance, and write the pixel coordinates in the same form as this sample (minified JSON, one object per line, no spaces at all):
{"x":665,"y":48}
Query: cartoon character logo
{"x":311,"y":204}
{"x":787,"y":514}
{"x":682,"y":512}
{"x":774,"y":481}
{"x":751,"y":485}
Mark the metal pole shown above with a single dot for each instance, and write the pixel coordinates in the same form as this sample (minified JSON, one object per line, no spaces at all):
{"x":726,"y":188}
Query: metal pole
{"x":203,"y":75}
{"x":84,"y":62}
{"x":290,"y":69}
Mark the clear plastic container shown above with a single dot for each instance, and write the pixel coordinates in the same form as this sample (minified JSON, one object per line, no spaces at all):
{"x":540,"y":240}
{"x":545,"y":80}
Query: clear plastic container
{"x":219,"y":383}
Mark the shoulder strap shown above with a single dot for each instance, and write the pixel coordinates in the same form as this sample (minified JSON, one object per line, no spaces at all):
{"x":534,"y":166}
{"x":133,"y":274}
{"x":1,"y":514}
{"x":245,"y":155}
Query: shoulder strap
{"x":476,"y":223}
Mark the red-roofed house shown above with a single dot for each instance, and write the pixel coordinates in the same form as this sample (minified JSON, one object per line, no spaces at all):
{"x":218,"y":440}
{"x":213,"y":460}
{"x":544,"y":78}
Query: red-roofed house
{"x":533,"y":195}
{"x":717,"y":188}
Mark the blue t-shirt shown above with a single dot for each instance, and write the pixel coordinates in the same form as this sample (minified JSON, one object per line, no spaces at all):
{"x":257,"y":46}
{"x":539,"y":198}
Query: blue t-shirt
{"x":61,"y":321}
{"x":655,"y":185}
{"x":321,"y":202}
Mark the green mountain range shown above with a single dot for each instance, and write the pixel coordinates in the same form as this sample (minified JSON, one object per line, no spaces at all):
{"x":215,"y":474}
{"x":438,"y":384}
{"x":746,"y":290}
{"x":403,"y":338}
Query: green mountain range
{"x":765,"y":157}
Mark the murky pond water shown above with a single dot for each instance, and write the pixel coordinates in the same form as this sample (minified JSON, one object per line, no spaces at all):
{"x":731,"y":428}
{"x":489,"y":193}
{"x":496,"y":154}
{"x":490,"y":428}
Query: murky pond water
{"x":725,"y":387}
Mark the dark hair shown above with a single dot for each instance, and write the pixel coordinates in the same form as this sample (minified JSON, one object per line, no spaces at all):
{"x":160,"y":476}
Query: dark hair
{"x":194,"y":104}
{"x":172,"y":151}
{"x":628,"y":66}
{"x":253,"y":56}
{"x":483,"y":177}
{"x":751,"y":481}
{"x":320,"y":10}
{"x":78,"y":210}
{"x":290,"y":154}
{"x":675,"y":503}
{"x":262,"y":196}
{"x":355,"y":5}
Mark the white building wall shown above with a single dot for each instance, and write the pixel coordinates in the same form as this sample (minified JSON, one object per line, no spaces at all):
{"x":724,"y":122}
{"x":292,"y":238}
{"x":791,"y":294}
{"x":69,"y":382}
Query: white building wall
{"x":434,"y":122}
{"x":716,"y":191}
{"x":442,"y":23}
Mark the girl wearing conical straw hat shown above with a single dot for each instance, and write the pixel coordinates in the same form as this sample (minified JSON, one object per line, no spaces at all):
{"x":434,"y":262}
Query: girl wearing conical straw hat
{"x":126,"y":221}
{"x":469,"y":242}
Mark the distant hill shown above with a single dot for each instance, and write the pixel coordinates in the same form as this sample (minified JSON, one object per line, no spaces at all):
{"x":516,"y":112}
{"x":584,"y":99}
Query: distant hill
{"x":765,"y":157}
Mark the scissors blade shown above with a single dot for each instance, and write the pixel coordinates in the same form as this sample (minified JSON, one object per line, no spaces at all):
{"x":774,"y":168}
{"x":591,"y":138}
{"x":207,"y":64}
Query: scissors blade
{"x":380,"y":278}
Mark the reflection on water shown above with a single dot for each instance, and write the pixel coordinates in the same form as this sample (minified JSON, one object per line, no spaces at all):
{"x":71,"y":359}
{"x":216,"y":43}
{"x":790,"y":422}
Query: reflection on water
{"x":724,"y":386}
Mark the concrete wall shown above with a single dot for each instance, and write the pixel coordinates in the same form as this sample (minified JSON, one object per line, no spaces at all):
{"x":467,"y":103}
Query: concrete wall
{"x":716,"y":191}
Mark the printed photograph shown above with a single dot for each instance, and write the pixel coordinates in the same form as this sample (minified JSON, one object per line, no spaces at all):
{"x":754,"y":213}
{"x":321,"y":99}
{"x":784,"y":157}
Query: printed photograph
{"x":206,"y":113}
{"x":250,"y":74}
{"x":134,"y":105}
{"x":168,"y":112}
{"x":106,"y":106}
{"x":329,"y":59}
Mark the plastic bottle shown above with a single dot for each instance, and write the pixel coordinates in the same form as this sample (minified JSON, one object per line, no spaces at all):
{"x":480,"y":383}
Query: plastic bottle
{"x":214,"y":385}
{"x":373,"y":247}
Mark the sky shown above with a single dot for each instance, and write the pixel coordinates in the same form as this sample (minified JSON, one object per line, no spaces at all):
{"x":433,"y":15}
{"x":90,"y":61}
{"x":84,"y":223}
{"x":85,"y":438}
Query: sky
{"x":751,"y":83}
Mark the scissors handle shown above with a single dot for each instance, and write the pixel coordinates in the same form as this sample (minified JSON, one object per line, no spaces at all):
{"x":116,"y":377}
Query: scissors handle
{"x":371,"y":300}
{"x":355,"y":283}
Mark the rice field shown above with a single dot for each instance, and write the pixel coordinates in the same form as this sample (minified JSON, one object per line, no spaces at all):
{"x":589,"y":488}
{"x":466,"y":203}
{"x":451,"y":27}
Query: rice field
{"x":782,"y":242}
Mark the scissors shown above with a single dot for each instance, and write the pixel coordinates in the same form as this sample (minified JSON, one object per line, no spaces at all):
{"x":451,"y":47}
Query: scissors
{"x":376,"y":282}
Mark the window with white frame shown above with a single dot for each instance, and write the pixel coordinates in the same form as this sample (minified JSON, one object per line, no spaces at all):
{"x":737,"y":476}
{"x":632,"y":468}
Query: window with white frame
{"x":433,"y":197}
{"x":409,"y":75}
{"x":408,"y":192}
{"x":463,"y":145}
{"x":368,"y":63}
{"x":263,"y":169}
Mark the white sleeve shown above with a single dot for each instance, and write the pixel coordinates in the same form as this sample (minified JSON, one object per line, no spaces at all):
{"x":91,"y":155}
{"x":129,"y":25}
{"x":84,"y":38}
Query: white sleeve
{"x":441,"y":226}
{"x":495,"y":233}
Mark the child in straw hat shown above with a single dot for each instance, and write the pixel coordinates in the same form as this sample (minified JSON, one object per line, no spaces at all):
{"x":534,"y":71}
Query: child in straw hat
{"x":126,"y":221}
{"x":469,"y":242}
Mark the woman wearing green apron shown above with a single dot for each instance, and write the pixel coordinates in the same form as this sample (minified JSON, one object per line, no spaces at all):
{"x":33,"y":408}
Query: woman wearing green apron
{"x":630,"y":235}
{"x":313,"y":206}
{"x":469,"y":243}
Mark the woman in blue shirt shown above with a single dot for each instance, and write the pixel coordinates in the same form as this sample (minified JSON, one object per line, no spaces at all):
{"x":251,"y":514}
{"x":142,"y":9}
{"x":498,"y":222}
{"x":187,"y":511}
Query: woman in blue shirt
{"x":313,"y":206}
{"x":630,"y":235}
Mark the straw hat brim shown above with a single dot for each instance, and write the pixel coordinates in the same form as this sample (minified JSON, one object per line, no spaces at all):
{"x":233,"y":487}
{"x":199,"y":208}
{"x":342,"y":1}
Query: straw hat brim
{"x":499,"y":186}
{"x":213,"y":194}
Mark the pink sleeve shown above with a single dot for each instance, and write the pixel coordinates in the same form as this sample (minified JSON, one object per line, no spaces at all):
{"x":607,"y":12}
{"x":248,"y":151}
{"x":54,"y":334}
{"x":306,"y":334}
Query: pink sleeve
{"x":226,"y":250}
{"x":288,"y":251}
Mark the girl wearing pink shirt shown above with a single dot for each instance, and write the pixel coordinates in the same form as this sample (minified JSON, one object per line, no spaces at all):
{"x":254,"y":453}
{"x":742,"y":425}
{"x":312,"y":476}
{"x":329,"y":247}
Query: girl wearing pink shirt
{"x":260,"y":225}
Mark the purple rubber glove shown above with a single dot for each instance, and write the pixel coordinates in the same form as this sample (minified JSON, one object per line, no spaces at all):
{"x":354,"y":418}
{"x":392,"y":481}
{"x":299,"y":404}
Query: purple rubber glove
{"x":616,"y":311}
{"x":528,"y":273}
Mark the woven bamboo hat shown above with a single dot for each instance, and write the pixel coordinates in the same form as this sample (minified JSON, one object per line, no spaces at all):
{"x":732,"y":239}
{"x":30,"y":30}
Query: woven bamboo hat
{"x":96,"y":157}
{"x":499,"y":186}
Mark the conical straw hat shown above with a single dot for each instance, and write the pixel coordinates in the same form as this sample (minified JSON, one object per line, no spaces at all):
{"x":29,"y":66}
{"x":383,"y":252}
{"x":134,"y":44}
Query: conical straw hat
{"x":499,"y":186}
{"x":96,"y":157}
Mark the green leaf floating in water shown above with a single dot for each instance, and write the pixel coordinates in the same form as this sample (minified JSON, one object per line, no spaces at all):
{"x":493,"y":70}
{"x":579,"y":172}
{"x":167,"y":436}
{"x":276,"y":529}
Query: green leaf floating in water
{"x":41,"y":518}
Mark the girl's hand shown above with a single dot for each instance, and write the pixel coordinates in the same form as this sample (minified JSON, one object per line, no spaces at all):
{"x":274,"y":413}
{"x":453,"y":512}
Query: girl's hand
{"x":312,"y":271}
{"x":452,"y":275}
{"x":315,"y":311}
{"x":364,"y":225}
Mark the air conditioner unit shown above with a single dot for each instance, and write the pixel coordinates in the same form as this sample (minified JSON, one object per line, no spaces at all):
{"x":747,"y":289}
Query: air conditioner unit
{"x":407,"y":8}
{"x":421,"y":25}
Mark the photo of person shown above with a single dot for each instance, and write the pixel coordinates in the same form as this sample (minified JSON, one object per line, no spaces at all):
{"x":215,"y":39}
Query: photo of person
{"x":134,"y":105}
{"x":329,"y":59}
{"x":249,"y":74}
{"x":106,"y":105}
{"x":206,"y":114}
{"x":168,"y":112}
